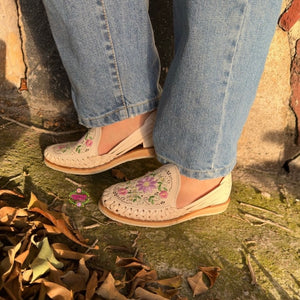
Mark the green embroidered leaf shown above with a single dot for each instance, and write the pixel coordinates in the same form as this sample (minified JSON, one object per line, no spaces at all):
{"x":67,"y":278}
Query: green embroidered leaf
{"x":78,"y":148}
{"x":151,"y":199}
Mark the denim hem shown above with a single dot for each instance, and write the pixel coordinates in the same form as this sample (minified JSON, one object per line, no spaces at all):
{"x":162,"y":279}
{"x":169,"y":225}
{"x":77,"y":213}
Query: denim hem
{"x":198,"y":174}
{"x":120,"y":114}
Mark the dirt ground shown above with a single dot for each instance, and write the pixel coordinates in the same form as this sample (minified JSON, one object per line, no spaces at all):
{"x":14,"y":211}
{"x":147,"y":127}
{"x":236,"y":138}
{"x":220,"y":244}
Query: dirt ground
{"x":259,"y":231}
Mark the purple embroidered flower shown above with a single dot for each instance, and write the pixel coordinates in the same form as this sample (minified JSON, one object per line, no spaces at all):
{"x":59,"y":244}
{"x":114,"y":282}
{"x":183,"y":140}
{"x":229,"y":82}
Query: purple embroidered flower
{"x":122,"y":191}
{"x":89,"y":143}
{"x":146,"y":184}
{"x":163,"y":194}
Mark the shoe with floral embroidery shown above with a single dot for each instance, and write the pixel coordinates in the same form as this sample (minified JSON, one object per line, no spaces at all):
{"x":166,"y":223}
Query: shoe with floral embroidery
{"x":150,"y":201}
{"x":82,"y":157}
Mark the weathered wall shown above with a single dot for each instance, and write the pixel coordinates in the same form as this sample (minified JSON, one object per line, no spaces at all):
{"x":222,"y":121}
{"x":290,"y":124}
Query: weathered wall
{"x":12,"y":67}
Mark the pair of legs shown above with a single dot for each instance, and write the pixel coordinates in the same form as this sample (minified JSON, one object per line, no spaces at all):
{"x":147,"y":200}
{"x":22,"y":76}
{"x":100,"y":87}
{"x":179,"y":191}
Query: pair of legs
{"x":108,"y":50}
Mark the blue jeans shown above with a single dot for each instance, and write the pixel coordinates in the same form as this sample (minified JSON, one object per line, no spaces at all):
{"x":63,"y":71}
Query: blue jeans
{"x":108,"y":50}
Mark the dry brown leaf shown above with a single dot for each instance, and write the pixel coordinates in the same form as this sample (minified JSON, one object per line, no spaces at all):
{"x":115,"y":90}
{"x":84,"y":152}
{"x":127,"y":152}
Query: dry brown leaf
{"x":141,"y":294}
{"x":130,"y":262}
{"x":108,"y":290}
{"x":9,"y":192}
{"x":55,"y":275}
{"x":74,"y":281}
{"x":7,"y":263}
{"x":141,"y":278}
{"x":91,"y":286}
{"x":83,"y":270}
{"x":22,"y":257}
{"x":212,"y":273}
{"x":8,"y":215}
{"x":119,"y":174}
{"x":63,"y":251}
{"x":55,"y":291}
{"x":27,"y":275}
{"x":174,"y":282}
{"x":56,"y":218}
{"x":197,"y":284}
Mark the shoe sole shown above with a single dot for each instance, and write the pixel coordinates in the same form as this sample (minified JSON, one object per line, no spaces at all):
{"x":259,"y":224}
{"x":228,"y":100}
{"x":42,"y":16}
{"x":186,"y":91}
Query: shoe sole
{"x":134,"y":154}
{"x":207,"y":211}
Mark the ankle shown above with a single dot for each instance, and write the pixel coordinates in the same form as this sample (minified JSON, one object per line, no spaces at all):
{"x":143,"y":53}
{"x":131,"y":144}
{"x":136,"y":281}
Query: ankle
{"x":192,"y":189}
{"x":114,"y":133}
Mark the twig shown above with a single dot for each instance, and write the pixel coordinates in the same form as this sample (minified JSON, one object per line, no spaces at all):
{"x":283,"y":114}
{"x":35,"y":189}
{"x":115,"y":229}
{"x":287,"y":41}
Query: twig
{"x":260,"y":208}
{"x":240,"y":219}
{"x":40,"y":130}
{"x":135,"y":240}
{"x":11,"y":179}
{"x":253,"y":277}
{"x":6,"y":124}
{"x":56,"y":197}
{"x":92,"y":246}
{"x":74,"y":182}
{"x":266,"y":221}
{"x":95,"y":225}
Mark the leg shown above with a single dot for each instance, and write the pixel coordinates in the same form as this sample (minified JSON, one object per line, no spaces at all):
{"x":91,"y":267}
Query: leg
{"x":108,"y":51}
{"x":220,"y":50}
{"x":205,"y":105}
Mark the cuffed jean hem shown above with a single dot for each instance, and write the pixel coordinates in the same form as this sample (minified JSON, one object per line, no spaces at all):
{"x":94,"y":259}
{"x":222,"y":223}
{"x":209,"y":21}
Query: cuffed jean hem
{"x":198,"y":174}
{"x":120,"y":114}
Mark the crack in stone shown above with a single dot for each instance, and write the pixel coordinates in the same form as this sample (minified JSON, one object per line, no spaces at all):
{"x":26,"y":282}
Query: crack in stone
{"x":22,"y":39}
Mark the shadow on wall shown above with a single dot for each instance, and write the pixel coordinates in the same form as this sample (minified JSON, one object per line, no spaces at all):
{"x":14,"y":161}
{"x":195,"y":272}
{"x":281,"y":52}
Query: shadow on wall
{"x":46,"y":76}
{"x":17,"y":105}
{"x":47,"y":80}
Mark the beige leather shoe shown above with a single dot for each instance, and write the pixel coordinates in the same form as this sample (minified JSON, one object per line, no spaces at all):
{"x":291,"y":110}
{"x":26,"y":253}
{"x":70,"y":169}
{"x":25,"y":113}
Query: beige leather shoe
{"x":82,"y":157}
{"x":150,"y":201}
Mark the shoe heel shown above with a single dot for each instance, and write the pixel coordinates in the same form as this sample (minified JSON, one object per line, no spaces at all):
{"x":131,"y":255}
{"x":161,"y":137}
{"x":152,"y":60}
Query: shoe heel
{"x":148,"y":141}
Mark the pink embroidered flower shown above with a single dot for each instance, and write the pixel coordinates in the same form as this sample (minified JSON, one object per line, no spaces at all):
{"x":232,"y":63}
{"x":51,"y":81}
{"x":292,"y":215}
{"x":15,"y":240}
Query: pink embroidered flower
{"x":146,"y":184}
{"x":122,"y":191}
{"x":163,"y":194}
{"x":89,"y":143}
{"x":62,"y":146}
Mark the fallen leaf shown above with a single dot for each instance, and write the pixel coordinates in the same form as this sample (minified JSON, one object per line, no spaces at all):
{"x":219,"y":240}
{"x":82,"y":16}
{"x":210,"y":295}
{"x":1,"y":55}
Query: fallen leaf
{"x":119,"y":174}
{"x":197,"y":284}
{"x":169,"y":289}
{"x":63,"y":251}
{"x":7,"y":263}
{"x":13,"y":285}
{"x":108,"y":290}
{"x":212,"y":273}
{"x":9,"y":192}
{"x":74,"y":281}
{"x":55,"y":291}
{"x":56,"y":218}
{"x":141,"y":294}
{"x":41,"y":263}
{"x":141,"y":278}
{"x":174,"y":282}
{"x":130,"y":263}
{"x":91,"y":286}
{"x":22,"y":257}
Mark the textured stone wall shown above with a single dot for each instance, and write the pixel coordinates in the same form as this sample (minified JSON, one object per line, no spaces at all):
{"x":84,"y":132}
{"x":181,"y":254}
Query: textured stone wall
{"x":12,"y":67}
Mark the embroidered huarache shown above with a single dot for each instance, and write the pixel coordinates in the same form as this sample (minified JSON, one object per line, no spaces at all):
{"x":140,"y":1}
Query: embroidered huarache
{"x":150,"y":201}
{"x":82,"y":157}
